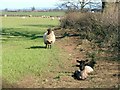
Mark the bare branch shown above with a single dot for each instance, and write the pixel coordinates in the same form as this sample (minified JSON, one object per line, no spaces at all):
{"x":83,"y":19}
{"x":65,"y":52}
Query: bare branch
{"x":76,"y":4}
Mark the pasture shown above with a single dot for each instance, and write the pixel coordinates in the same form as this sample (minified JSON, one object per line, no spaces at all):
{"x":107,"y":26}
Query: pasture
{"x":26,"y":63}
{"x":23,"y":48}
{"x":51,"y":13}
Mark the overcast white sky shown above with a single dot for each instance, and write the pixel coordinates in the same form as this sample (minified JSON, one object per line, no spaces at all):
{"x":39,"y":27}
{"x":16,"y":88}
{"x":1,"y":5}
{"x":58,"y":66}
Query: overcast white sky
{"x":20,"y":4}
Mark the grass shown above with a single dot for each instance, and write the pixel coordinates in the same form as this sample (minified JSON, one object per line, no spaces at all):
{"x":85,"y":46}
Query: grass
{"x":52,"y":13}
{"x":23,"y":51}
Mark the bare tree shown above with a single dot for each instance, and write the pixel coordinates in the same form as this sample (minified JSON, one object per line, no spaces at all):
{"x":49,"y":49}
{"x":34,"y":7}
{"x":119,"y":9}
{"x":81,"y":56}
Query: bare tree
{"x":83,"y":3}
{"x":107,"y":4}
{"x":33,"y":8}
{"x":77,"y":4}
{"x":5,"y":9}
{"x":74,"y":4}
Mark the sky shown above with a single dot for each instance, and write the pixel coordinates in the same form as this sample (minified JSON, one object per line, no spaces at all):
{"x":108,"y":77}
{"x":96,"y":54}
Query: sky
{"x":21,"y":4}
{"x":27,"y":4}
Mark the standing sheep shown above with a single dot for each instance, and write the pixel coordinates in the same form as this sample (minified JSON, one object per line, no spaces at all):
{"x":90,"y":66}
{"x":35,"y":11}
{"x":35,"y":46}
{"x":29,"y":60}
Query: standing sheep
{"x":49,"y":38}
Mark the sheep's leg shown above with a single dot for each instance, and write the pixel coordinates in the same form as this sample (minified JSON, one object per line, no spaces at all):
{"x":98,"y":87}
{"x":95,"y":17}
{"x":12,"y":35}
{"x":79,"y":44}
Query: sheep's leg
{"x":83,"y":75}
{"x":50,"y":46}
{"x":45,"y":45}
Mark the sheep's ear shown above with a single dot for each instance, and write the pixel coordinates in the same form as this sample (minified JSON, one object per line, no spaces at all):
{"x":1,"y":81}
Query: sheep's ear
{"x":94,"y":61}
{"x":86,"y":60}
{"x":77,"y":65}
{"x":79,"y":61}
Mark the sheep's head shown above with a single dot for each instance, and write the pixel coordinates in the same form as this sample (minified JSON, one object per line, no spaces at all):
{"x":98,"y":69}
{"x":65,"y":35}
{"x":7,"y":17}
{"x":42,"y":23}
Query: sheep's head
{"x":91,"y":63}
{"x":82,"y":64}
{"x":49,"y":30}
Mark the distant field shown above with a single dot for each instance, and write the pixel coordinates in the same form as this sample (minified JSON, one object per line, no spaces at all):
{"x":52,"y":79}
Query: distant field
{"x":52,"y":13}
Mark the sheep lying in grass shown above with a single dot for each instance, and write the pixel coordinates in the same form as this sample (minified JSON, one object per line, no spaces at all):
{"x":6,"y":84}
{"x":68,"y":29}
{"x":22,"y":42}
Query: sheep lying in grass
{"x":85,"y":68}
{"x":49,"y":38}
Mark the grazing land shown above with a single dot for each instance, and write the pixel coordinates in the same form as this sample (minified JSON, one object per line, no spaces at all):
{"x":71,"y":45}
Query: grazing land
{"x":51,"y":13}
{"x":27,"y":64}
{"x":23,"y":47}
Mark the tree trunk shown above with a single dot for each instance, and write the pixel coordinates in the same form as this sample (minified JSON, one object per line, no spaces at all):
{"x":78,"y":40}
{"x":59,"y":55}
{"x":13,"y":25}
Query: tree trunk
{"x":110,"y":10}
{"x":108,"y":5}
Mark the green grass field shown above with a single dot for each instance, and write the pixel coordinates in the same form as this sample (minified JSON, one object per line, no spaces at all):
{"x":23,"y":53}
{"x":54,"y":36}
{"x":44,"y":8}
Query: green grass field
{"x":22,"y":48}
{"x":52,"y":13}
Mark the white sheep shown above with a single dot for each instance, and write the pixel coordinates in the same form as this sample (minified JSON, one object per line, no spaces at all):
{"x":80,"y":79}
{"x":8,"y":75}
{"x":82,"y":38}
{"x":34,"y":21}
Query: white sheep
{"x":84,"y":69}
{"x":81,"y":75}
{"x":43,"y":16}
{"x":85,"y":72}
{"x":23,"y":17}
{"x":58,"y":18}
{"x":30,"y":15}
{"x":52,"y":18}
{"x":5,"y":15}
{"x":49,"y":38}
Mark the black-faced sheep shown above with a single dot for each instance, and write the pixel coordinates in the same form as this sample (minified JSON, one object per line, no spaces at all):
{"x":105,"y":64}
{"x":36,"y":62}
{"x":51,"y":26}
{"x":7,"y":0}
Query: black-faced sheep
{"x":85,"y":68}
{"x":49,"y":38}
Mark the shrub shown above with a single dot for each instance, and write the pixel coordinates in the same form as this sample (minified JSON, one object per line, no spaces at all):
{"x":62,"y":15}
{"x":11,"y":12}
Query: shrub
{"x":100,"y":28}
